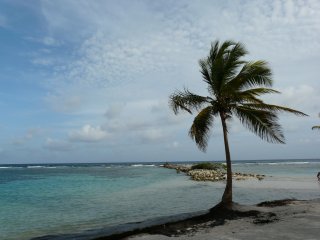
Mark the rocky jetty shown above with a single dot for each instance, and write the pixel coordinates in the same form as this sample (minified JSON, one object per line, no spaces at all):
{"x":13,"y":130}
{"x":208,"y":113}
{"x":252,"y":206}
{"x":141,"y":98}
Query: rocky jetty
{"x":178,"y":168}
{"x":216,"y":174}
{"x":244,"y":176}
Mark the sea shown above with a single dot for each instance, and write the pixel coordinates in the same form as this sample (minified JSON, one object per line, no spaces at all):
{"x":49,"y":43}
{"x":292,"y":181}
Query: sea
{"x":84,"y":201}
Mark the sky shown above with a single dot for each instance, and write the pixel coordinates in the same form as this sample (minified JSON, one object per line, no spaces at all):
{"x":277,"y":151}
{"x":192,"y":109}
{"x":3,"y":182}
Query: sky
{"x":89,"y":81}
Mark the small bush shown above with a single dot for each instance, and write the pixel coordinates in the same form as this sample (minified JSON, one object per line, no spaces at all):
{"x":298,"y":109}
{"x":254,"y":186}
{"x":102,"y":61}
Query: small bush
{"x":208,"y":166}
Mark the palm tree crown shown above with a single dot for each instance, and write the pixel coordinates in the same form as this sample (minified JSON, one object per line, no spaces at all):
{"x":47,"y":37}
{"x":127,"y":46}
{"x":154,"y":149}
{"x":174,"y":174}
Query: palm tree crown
{"x":234,"y":87}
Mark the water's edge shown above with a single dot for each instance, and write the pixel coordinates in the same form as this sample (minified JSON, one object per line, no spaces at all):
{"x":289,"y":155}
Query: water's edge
{"x":123,"y":228}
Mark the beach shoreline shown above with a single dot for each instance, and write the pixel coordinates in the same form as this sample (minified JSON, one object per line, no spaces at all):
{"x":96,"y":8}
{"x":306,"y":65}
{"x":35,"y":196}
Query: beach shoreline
{"x":150,"y":195}
{"x":289,"y":219}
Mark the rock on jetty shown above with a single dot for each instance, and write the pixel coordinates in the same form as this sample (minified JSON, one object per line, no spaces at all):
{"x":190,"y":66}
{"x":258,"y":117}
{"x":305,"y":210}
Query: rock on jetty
{"x":218,"y":174}
{"x":207,"y":175}
{"x":178,"y":168}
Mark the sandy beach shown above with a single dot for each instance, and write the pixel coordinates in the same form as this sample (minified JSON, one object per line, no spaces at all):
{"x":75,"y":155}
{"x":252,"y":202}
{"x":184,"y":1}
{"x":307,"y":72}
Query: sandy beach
{"x":293,"y":220}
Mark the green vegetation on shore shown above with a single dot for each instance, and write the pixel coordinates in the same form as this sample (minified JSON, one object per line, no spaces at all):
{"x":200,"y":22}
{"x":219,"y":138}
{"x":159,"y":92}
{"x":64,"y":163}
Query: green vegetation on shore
{"x":209,"y":166}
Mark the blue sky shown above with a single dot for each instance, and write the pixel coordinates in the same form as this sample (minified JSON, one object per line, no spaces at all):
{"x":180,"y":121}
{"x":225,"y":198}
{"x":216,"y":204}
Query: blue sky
{"x":88,"y":81}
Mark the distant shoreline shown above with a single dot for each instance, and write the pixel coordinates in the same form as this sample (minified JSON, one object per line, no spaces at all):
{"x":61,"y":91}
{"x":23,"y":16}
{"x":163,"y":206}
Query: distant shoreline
{"x":163,"y":162}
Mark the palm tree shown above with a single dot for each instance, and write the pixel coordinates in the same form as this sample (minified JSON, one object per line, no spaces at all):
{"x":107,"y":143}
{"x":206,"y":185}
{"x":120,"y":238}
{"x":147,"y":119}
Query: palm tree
{"x":234,"y":87}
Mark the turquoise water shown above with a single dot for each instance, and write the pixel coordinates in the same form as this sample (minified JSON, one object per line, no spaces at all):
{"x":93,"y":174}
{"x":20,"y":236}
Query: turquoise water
{"x":61,"y":199}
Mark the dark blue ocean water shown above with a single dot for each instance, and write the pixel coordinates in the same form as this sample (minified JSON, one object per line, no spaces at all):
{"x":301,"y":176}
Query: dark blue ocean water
{"x":55,"y":199}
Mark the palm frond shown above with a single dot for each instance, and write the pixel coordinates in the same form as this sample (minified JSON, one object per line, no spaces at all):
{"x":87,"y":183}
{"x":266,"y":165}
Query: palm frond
{"x":205,"y":70}
{"x":215,"y":64}
{"x":252,"y":74}
{"x":200,"y":128}
{"x":187,"y":101}
{"x":233,"y":60}
{"x":213,"y":50}
{"x":250,"y":95}
{"x":244,"y":98}
{"x":274,"y":108}
{"x":262,"y":123}
{"x":259,"y":91}
{"x":224,"y":48}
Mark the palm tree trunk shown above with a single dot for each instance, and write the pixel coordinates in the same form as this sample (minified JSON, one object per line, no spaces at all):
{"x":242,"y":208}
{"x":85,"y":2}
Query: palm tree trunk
{"x":227,"y":195}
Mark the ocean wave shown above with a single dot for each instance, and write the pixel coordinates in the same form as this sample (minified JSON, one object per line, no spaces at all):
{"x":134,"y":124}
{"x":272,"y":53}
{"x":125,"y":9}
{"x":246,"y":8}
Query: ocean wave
{"x":275,"y":163}
{"x":9,"y":167}
{"x":36,"y":166}
{"x":46,"y":167}
{"x":286,"y":163}
{"x":143,"y":165}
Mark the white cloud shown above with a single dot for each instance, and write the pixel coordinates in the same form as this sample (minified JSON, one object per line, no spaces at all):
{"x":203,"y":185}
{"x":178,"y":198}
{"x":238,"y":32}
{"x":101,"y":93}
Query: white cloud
{"x":152,"y":135}
{"x":27,"y":137}
{"x":3,"y":21}
{"x":43,"y":57}
{"x":141,"y":116}
{"x":88,"y":133}
{"x":305,"y":140}
{"x":57,"y":145}
{"x":114,"y":110}
{"x":49,"y":41}
{"x":64,"y":102}
{"x":129,"y":61}
{"x":174,"y":145}
{"x":104,"y":64}
{"x":43,"y":61}
{"x":119,"y":50}
{"x":304,"y":97}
